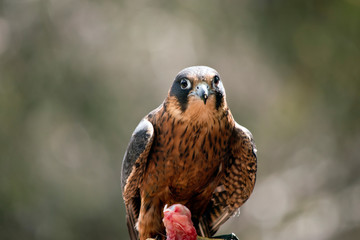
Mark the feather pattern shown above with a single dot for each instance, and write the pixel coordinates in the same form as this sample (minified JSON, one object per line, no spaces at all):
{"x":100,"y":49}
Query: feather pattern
{"x":236,"y":185}
{"x":133,"y":168}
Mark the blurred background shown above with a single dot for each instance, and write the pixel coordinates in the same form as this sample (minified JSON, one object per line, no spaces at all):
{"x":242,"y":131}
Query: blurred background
{"x":76,"y":76}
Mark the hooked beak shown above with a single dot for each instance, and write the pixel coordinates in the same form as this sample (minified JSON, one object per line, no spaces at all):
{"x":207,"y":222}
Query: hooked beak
{"x":202,"y":91}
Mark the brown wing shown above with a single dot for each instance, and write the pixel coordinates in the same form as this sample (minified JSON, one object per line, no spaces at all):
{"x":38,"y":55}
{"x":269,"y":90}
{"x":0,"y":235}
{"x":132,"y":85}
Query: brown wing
{"x":133,"y":168}
{"x":236,"y":185}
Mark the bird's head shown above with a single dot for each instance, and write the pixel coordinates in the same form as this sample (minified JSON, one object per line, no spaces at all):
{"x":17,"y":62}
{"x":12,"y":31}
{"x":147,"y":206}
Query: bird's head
{"x":197,"y":92}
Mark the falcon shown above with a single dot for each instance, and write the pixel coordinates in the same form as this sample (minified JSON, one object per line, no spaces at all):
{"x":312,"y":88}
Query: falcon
{"x":188,"y":151}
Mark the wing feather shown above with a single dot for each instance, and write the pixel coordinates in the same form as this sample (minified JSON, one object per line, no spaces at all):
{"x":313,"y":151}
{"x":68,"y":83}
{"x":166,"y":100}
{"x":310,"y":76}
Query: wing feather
{"x":236,"y":185}
{"x":133,"y":168}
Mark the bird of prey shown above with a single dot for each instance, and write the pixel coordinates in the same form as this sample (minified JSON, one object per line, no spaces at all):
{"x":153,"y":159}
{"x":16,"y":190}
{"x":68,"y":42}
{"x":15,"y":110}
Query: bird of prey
{"x":188,"y":151}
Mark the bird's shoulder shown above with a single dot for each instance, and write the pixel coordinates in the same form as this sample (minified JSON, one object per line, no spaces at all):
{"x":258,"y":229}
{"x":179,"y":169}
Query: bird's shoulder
{"x":139,"y":146}
{"x":243,"y":141}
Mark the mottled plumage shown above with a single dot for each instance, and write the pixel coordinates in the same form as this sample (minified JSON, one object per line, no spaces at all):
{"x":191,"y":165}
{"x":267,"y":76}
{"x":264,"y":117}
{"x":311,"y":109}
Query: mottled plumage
{"x":189,"y":151}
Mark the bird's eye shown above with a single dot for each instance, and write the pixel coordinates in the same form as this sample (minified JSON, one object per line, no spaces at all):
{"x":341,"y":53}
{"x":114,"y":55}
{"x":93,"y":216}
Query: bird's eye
{"x":185,"y":83}
{"x":216,"y":80}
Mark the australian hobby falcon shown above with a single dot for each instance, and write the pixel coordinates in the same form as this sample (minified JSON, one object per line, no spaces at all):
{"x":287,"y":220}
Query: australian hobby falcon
{"x":190,"y":151}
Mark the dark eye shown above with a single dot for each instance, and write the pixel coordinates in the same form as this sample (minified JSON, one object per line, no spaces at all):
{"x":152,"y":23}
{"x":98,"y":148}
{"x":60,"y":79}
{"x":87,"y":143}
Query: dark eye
{"x":185,"y":83}
{"x":216,"y":80}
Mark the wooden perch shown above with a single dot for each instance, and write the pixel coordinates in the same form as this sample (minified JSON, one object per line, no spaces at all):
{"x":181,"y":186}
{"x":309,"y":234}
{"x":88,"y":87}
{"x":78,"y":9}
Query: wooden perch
{"x":222,"y":237}
{"x":231,"y":236}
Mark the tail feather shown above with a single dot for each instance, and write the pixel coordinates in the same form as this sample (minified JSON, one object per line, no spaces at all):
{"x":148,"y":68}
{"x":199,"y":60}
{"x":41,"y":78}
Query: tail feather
{"x":131,"y":224}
